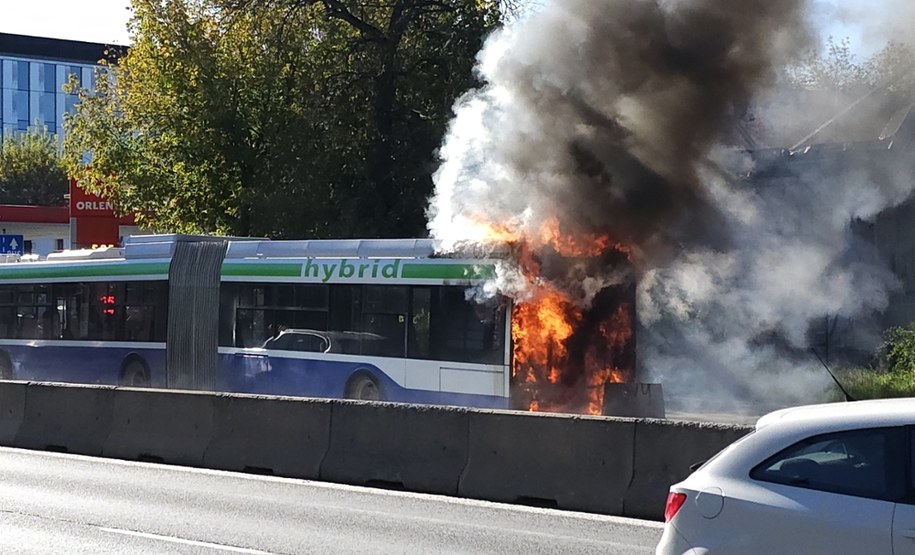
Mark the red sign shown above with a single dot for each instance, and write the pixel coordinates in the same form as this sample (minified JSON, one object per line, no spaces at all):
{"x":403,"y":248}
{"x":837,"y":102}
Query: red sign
{"x":94,"y":219}
{"x":87,"y":205}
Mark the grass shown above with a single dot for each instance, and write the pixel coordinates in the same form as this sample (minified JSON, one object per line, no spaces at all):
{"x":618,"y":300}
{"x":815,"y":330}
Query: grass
{"x":867,"y":383}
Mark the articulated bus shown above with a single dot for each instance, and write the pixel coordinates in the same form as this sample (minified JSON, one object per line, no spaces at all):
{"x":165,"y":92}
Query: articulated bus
{"x":363,"y":319}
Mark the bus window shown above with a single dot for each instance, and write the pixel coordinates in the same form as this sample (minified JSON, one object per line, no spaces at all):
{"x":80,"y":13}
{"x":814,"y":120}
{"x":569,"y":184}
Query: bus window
{"x":310,"y":320}
{"x":251,"y":328}
{"x":385,"y":316}
{"x":314,"y":297}
{"x":263,"y":311}
{"x":27,"y":326}
{"x":282,"y":295}
{"x":228,"y":304}
{"x":7,"y":295}
{"x":106,"y":311}
{"x":140,"y":311}
{"x":420,"y":309}
{"x":47,"y":318}
{"x":345,"y":315}
{"x":7,"y":311}
{"x":75,"y":316}
{"x":28,"y":312}
{"x":466,"y":331}
{"x":48,"y":321}
{"x":159,"y":293}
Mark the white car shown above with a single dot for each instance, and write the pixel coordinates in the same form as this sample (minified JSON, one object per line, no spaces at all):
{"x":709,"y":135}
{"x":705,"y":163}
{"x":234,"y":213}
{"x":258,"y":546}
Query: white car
{"x":821,"y":479}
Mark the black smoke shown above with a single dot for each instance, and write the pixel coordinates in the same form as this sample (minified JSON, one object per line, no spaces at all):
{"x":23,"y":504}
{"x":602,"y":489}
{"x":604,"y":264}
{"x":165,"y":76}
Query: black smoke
{"x":618,"y":117}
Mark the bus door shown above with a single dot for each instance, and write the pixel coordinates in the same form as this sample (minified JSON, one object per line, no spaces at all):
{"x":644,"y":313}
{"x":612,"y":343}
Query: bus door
{"x":421,"y":372}
{"x":385,"y":313}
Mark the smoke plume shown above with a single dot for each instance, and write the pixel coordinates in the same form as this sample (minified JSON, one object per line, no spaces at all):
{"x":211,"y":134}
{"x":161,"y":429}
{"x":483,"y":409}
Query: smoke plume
{"x":619,"y":118}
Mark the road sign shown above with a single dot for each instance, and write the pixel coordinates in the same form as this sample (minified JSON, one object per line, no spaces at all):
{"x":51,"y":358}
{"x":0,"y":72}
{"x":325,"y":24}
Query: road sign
{"x":11,"y":244}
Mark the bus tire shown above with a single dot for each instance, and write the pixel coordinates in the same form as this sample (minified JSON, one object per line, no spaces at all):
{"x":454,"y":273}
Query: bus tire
{"x":364,"y":387}
{"x":6,"y":366}
{"x":134,"y":373}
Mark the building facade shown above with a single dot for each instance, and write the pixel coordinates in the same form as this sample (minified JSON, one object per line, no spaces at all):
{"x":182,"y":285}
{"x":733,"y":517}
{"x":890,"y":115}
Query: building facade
{"x":33,"y":72}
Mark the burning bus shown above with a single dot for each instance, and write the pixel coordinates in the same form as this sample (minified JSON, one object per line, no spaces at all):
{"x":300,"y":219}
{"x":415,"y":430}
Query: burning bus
{"x":364,"y":319}
{"x":571,"y":334}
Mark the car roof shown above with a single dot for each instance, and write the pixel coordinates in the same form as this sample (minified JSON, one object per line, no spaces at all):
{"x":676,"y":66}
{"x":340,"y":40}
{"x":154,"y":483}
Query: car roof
{"x":332,"y":334}
{"x":783,"y":428}
{"x":882,"y":412}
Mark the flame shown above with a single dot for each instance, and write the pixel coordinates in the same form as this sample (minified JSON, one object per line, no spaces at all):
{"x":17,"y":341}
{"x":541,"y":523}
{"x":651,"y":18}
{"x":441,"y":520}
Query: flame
{"x":567,"y":245}
{"x":544,"y":324}
{"x":539,"y":331}
{"x":617,"y":333}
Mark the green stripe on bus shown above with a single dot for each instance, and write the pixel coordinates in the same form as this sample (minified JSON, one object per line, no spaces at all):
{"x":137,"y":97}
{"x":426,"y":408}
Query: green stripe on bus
{"x":448,"y":271}
{"x":263,"y":270}
{"x":94,"y":270}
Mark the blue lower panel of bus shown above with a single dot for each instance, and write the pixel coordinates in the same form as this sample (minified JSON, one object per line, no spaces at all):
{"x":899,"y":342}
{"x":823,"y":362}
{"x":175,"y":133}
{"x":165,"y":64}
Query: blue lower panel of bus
{"x":260,"y":374}
{"x":239,"y":373}
{"x":82,"y":364}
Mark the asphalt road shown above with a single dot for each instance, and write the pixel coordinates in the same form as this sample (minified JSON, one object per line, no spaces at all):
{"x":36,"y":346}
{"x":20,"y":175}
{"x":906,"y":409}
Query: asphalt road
{"x":56,"y":503}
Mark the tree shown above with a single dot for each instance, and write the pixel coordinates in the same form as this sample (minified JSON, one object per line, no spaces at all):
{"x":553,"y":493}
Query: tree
{"x":31,"y":172}
{"x":838,"y":69}
{"x":278,"y":118}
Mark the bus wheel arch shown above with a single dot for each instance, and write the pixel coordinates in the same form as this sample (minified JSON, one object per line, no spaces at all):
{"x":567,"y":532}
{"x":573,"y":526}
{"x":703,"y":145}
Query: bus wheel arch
{"x":363,"y":385}
{"x":134,"y":372}
{"x":6,"y":366}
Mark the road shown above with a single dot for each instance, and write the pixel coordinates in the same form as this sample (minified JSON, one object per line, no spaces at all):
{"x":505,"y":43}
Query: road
{"x":59,"y":503}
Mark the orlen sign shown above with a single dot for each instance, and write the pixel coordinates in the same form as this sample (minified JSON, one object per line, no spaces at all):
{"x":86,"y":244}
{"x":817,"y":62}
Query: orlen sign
{"x":87,"y":205}
{"x":92,"y":219}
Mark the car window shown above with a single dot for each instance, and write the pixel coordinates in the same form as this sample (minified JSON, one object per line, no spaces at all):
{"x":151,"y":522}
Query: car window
{"x":306,"y":342}
{"x":911,"y":497}
{"x":864,"y":463}
{"x":281,"y":342}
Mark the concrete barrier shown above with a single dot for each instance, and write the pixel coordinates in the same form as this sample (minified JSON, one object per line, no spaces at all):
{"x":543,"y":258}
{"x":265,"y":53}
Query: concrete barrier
{"x":597,"y":464}
{"x":274,"y":435}
{"x":72,"y":419}
{"x":634,"y":400}
{"x":12,"y":410}
{"x":664,"y":451}
{"x":421,"y":448}
{"x":576,"y":463}
{"x":161,"y":426}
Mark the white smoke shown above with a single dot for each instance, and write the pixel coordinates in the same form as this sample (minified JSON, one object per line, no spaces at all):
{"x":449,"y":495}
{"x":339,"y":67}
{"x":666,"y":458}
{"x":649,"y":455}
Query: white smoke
{"x":616,"y":116}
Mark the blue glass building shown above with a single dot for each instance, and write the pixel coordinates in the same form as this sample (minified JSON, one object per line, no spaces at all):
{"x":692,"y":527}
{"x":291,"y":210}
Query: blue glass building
{"x":33,"y":71}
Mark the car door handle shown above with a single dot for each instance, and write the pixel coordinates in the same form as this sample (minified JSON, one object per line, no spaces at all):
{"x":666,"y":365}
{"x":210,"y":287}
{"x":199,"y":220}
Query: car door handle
{"x":910,"y":533}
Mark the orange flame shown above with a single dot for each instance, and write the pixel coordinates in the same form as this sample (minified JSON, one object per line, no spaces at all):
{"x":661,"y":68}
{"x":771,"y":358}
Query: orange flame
{"x":567,"y":245}
{"x":617,"y":332}
{"x":544,"y":325}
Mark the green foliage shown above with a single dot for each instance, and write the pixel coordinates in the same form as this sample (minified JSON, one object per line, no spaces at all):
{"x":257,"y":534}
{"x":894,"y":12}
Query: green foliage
{"x":868,"y":383}
{"x":898,"y":349}
{"x":31,"y":172}
{"x":838,"y":69}
{"x":296,"y":118}
{"x":895,"y":376}
{"x":894,"y":67}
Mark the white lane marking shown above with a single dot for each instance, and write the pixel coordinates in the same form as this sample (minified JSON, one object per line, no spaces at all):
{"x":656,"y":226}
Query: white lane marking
{"x":182,"y":541}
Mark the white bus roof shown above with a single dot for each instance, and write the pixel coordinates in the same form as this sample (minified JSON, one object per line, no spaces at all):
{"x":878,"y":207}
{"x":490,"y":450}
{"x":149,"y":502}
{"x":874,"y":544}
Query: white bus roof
{"x":162,"y":246}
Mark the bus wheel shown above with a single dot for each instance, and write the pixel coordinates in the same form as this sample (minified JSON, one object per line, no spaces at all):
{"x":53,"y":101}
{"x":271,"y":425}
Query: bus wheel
{"x":134,"y":374}
{"x":6,"y":367}
{"x":363,"y":387}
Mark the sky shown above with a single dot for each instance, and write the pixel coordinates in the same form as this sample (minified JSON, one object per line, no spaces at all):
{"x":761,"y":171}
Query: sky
{"x":103,"y":21}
